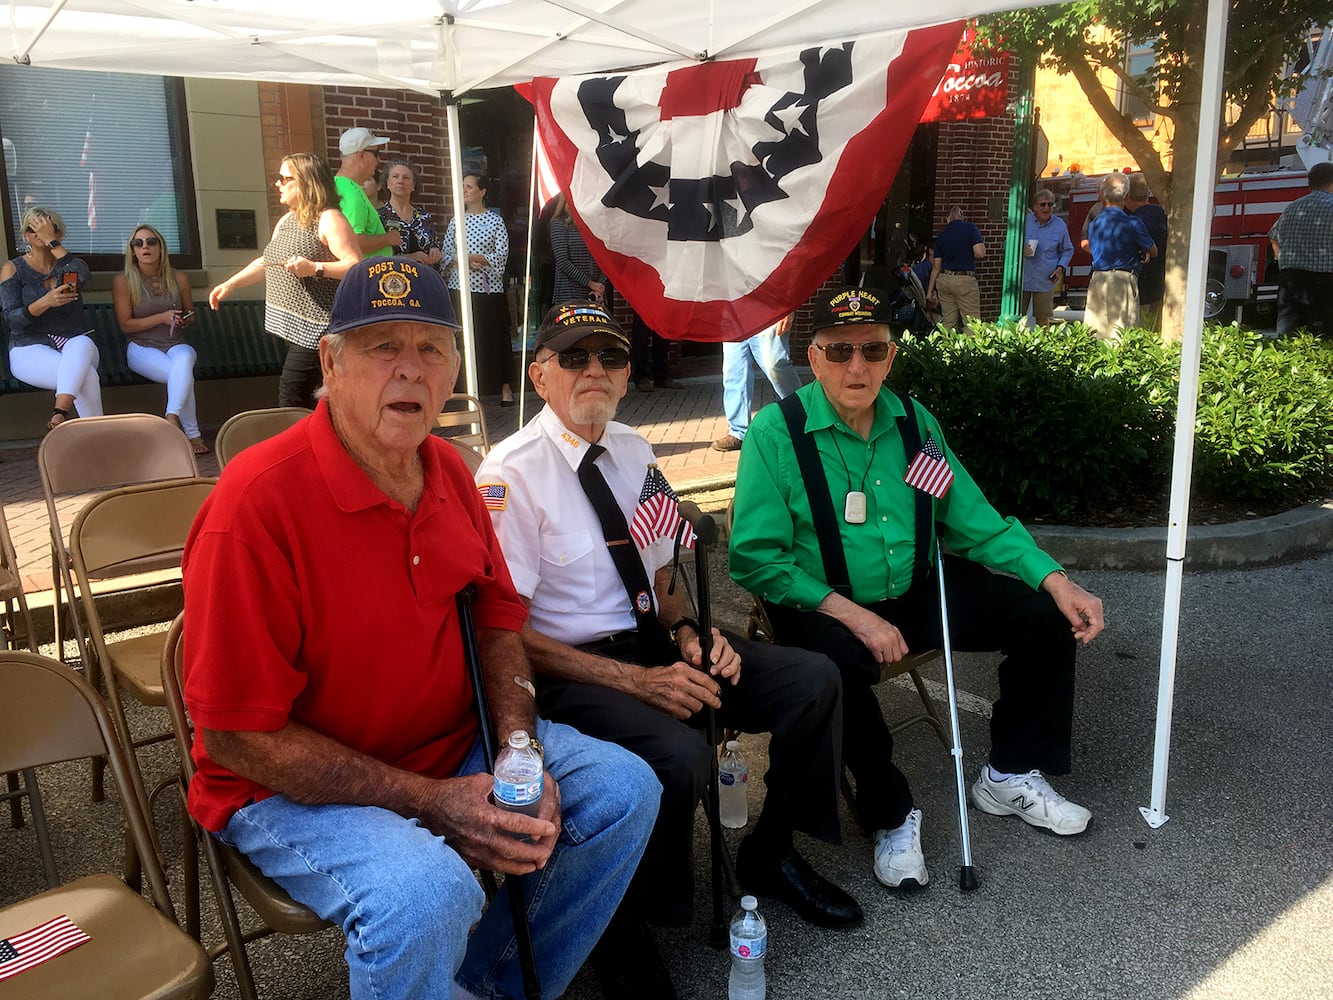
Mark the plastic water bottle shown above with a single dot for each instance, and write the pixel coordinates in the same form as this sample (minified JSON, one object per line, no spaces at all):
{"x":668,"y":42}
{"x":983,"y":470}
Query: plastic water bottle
{"x":732,"y":775}
{"x":749,"y":944}
{"x":518,"y":776}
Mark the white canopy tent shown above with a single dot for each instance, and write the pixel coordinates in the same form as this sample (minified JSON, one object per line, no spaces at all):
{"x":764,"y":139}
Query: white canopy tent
{"x":447,"y":48}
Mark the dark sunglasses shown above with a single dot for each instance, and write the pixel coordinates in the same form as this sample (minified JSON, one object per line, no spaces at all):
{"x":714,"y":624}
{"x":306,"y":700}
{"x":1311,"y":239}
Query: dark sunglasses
{"x":1045,"y":204}
{"x":284,"y":178}
{"x":873,"y":351}
{"x":576,"y":359}
{"x":148,"y":241}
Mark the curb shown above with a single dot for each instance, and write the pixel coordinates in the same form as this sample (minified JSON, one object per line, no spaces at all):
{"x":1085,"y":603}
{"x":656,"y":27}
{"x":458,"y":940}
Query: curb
{"x":1295,"y":534}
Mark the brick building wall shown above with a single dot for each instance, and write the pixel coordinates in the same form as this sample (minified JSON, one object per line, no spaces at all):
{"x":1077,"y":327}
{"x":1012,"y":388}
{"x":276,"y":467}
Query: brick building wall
{"x":290,"y":116}
{"x":414,"y":122}
{"x":972,"y":171}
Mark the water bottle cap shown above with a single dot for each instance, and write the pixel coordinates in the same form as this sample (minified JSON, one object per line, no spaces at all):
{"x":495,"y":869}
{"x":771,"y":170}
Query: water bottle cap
{"x":733,"y":744}
{"x":518,"y":739}
{"x":749,"y":903}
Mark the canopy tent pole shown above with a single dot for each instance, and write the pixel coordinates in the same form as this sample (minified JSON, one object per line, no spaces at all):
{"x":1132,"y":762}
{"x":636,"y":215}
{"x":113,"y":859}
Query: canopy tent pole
{"x":22,"y":57}
{"x":1205,"y":173}
{"x":527,"y":279}
{"x":460,"y":246}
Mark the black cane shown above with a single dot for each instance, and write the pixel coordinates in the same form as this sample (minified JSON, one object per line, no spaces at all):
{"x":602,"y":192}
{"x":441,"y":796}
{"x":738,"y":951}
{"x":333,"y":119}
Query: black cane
{"x":705,"y":535}
{"x":527,"y":961}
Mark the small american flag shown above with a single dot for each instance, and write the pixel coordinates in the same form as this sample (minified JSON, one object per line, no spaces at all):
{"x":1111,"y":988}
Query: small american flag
{"x":23,"y":951}
{"x":657,"y":515}
{"x":929,"y":472}
{"x":494,"y":495}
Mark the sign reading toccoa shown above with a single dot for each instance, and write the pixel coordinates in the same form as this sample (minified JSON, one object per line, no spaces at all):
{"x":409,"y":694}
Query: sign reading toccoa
{"x":971,"y":87}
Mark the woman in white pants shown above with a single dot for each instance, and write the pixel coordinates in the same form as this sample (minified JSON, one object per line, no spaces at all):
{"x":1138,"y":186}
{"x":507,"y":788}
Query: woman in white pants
{"x":41,"y":296}
{"x":153,"y":305}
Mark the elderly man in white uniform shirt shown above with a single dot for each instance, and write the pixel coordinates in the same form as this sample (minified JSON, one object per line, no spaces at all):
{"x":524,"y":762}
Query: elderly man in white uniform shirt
{"x":616,"y":655}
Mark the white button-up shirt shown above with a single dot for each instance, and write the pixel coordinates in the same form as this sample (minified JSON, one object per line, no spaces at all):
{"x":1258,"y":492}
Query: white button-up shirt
{"x":550,"y":534}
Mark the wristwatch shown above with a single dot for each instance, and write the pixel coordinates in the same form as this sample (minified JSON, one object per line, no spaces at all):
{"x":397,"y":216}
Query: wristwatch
{"x":319,"y":269}
{"x":675,"y":627}
{"x":53,"y":244}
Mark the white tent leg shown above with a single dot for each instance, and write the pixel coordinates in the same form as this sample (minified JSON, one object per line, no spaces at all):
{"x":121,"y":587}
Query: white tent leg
{"x":1205,"y":172}
{"x":527,"y":279}
{"x":460,"y":247}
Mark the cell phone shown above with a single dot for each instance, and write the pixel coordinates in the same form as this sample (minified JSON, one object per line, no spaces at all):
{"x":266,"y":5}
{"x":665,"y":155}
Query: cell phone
{"x":70,"y":278}
{"x":184,"y":316}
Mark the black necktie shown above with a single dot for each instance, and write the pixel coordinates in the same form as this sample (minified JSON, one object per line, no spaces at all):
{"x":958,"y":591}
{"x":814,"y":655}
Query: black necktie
{"x":624,"y":553}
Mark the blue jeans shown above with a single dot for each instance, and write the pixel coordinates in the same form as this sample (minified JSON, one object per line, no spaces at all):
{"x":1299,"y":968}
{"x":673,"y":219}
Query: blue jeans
{"x":406,"y":901}
{"x":770,"y":353}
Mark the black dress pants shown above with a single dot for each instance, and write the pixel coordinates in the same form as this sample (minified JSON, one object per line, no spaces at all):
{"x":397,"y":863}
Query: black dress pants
{"x":301,"y":375}
{"x":792,"y":693}
{"x":1031,"y":721}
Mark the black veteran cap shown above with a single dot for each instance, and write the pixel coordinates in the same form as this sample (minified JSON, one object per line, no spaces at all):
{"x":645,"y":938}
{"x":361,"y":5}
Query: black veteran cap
{"x":391,"y":290}
{"x":565,"y":325}
{"x":850,"y":305}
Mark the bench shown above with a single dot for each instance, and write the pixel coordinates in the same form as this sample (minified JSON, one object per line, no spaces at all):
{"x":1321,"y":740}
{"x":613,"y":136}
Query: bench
{"x":231,"y":343}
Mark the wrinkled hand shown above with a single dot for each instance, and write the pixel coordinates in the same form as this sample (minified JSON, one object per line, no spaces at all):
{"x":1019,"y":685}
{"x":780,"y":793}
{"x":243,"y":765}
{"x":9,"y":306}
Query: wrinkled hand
{"x":726,"y":662}
{"x":1082,"y":609}
{"x":885,"y":643}
{"x":461,"y":811}
{"x":678,"y":689}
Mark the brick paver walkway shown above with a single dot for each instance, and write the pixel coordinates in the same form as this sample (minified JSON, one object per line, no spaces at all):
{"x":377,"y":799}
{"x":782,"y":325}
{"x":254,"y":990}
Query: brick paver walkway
{"x":680,"y":423}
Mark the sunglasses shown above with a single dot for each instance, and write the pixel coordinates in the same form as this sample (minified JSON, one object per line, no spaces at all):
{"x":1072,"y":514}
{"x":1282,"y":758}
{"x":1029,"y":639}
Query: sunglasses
{"x":1045,"y":204}
{"x":284,"y":178}
{"x":873,"y":351}
{"x":576,"y":359}
{"x":148,"y":241}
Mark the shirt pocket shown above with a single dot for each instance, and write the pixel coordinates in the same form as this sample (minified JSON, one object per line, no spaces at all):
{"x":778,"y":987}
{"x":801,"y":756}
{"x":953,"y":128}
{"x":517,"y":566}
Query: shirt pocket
{"x":567,"y":570}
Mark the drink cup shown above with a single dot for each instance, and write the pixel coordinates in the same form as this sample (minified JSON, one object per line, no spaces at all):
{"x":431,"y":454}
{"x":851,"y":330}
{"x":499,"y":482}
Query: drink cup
{"x":1032,"y":248}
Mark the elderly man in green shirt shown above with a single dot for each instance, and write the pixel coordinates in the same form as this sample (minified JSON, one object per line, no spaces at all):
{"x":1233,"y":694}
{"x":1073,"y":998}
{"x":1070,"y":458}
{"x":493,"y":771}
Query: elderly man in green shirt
{"x":359,"y":148}
{"x":850,"y":434}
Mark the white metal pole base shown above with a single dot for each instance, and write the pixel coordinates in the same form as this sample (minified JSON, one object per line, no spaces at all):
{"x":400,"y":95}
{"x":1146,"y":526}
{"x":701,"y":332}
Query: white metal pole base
{"x":1155,"y":818}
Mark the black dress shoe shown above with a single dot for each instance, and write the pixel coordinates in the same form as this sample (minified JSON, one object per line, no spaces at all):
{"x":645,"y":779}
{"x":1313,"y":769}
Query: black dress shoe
{"x":791,"y":879}
{"x":628,"y":965}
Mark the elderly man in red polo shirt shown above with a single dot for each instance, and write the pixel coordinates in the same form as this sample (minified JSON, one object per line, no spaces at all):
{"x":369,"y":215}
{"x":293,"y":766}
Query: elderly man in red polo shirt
{"x":337,"y":738}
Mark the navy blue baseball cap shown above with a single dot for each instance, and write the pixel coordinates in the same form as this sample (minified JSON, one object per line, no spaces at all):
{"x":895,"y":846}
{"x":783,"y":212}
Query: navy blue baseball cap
{"x":391,"y":290}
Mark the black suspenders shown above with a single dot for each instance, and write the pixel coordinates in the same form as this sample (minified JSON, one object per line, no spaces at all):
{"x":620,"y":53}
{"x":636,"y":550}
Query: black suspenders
{"x":822,"y":512}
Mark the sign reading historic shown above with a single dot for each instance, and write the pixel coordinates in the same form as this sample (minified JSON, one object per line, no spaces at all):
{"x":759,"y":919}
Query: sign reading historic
{"x":974,"y":86}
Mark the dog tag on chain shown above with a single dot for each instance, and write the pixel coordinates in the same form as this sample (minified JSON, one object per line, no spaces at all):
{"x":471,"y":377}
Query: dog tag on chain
{"x":854,"y":510}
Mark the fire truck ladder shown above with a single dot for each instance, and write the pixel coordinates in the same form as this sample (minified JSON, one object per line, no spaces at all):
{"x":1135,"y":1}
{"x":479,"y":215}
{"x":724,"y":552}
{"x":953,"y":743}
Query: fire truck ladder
{"x":1312,"y":108}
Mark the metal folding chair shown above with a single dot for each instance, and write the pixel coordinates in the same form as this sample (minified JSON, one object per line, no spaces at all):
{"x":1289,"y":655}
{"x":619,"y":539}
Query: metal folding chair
{"x":464,"y":422}
{"x":252,"y":426}
{"x":49,"y":714}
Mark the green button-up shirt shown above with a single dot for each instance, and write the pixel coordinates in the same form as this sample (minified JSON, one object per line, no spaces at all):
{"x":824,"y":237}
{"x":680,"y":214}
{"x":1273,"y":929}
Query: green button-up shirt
{"x":774,"y":550}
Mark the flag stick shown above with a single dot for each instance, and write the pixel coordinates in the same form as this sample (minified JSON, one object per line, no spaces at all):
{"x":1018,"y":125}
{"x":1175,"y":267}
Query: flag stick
{"x":967,"y":875}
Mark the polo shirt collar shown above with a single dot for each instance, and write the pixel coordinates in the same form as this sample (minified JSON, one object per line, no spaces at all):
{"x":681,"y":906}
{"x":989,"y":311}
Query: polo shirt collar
{"x":349,"y":485}
{"x":821,"y":414}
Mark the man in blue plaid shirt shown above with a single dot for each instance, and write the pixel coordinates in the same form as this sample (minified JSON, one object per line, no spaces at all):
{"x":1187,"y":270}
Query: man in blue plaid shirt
{"x":1302,"y":241}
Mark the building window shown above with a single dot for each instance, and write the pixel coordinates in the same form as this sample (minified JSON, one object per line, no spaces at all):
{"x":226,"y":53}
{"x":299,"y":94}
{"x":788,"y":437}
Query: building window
{"x":1141,"y":65}
{"x":108,"y":151}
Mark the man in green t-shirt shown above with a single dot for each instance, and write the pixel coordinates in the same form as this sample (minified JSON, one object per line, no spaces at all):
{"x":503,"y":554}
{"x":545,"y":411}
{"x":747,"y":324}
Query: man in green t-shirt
{"x":360,"y":158}
{"x":887,"y":603}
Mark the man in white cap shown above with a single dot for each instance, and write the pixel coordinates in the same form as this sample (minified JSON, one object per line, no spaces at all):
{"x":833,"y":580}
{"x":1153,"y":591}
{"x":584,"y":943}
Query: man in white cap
{"x":360,"y":159}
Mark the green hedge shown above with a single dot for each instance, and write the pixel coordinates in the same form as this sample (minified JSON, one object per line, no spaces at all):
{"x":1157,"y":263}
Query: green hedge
{"x":1052,"y":422}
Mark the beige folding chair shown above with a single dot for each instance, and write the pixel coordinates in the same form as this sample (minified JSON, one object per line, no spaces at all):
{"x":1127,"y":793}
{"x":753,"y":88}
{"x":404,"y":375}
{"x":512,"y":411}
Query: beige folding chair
{"x":469,"y":454}
{"x":99,"y":453}
{"x":464,"y":411}
{"x":227,"y":866}
{"x":117,"y":537}
{"x":252,"y":426}
{"x":49,"y":714}
{"x":16,"y":609}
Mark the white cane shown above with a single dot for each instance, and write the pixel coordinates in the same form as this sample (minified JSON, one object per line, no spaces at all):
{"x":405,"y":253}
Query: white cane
{"x":967,"y":875}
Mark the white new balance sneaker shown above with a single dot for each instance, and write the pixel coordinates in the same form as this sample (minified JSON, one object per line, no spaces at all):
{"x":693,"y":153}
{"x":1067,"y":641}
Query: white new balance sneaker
{"x":898,"y":858}
{"x":1031,"y":798}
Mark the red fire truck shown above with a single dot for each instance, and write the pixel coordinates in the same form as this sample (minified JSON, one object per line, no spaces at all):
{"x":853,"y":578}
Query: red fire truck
{"x":1241,"y":269}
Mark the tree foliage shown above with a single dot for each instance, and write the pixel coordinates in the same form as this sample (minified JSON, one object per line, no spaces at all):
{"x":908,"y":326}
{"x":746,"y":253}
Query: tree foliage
{"x":1263,"y":37}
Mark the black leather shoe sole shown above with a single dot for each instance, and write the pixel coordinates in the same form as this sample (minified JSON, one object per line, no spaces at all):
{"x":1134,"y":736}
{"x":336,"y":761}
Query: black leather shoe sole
{"x":792,"y":880}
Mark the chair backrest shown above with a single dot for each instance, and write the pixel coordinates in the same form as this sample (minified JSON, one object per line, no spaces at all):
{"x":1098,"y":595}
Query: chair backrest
{"x":471,"y":457}
{"x":252,"y":426}
{"x":94,"y":453}
{"x":11,"y":582}
{"x":50,"y":714}
{"x":464,"y":411}
{"x":134,"y":529}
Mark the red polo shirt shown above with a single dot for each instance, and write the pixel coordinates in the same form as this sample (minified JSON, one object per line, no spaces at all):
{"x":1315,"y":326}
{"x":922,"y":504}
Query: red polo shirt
{"x":312,"y":596}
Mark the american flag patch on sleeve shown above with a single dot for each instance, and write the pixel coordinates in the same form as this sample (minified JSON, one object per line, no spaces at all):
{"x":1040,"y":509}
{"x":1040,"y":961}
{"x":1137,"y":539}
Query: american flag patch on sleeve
{"x":494,"y":495}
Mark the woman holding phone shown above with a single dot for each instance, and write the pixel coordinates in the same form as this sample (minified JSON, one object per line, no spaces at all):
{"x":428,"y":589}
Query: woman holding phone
{"x":49,"y":345}
{"x":312,"y":247}
{"x":153,"y":305}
